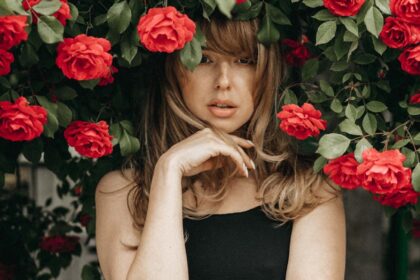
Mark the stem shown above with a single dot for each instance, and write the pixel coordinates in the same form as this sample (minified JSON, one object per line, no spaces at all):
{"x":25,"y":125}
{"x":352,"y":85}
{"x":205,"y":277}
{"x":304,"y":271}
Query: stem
{"x":412,"y":143}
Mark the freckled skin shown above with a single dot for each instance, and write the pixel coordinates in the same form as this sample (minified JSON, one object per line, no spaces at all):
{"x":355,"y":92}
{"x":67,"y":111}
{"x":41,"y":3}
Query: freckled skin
{"x":223,"y":77}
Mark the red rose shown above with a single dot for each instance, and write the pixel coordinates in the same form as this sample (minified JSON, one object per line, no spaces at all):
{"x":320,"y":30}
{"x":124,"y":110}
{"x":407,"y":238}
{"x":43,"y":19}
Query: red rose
{"x":21,"y":122}
{"x":343,"y":7}
{"x":398,"y":197}
{"x":383,"y":173}
{"x":410,"y":60}
{"x":165,"y":30}
{"x":89,"y":139}
{"x":12,"y":31}
{"x":59,"y":243}
{"x":240,"y":1}
{"x":108,"y":79}
{"x":84,"y":57}
{"x":415,"y":99}
{"x":298,"y":53}
{"x":301,"y":122}
{"x":6,"y":59}
{"x":407,"y":10}
{"x":342,"y":171}
{"x":62,"y":14}
{"x":398,"y":34}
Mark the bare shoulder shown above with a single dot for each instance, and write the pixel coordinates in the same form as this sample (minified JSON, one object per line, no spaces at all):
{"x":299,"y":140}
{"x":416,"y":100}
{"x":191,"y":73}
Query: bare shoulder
{"x":115,"y":180}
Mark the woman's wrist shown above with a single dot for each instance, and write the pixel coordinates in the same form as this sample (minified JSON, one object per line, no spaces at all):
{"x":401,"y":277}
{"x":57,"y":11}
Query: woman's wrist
{"x":167,"y":166}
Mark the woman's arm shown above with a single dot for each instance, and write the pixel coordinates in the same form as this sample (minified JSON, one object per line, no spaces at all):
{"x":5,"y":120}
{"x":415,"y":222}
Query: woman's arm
{"x":318,"y":244}
{"x":161,"y":250}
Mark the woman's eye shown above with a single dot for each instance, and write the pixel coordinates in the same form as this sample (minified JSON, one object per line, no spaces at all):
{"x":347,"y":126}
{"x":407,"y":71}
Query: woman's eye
{"x":204,"y":59}
{"x":246,"y":61}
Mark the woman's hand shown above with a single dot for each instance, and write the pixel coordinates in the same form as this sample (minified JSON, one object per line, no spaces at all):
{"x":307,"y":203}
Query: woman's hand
{"x":198,"y":153}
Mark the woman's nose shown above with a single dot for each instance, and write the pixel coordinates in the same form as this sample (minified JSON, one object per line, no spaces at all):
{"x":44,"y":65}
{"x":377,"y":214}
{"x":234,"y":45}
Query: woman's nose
{"x":223,"y":79}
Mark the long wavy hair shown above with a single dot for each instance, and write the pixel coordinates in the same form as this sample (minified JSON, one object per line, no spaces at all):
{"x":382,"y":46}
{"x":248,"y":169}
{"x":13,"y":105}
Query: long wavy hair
{"x":286,"y":183}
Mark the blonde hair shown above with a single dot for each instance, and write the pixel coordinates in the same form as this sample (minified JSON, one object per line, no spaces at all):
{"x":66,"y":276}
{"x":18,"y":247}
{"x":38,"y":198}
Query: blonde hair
{"x":286,"y":182}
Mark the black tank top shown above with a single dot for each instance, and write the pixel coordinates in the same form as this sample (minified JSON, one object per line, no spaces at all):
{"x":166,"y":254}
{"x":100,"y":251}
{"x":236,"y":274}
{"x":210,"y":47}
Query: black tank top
{"x":234,"y":246}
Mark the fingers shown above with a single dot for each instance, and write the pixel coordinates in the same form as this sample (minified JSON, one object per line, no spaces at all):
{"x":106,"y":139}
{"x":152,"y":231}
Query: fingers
{"x":243,"y":142}
{"x":235,"y":155}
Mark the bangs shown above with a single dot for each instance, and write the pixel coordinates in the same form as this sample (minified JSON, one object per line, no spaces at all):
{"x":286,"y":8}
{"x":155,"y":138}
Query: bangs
{"x":231,"y":37}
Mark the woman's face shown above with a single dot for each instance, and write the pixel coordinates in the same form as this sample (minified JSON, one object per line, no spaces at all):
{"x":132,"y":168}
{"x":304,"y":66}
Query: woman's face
{"x":221,"y":79}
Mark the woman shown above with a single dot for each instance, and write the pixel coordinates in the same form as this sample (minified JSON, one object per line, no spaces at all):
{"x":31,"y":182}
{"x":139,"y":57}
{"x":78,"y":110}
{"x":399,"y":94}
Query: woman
{"x":204,"y":202}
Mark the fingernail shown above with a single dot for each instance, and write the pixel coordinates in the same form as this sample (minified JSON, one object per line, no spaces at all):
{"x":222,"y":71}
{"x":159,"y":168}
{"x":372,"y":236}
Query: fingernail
{"x":245,"y":169}
{"x":253,"y":164}
{"x":250,"y":142}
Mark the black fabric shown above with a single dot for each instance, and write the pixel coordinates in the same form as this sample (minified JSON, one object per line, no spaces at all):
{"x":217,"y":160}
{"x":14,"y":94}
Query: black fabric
{"x":235,"y":246}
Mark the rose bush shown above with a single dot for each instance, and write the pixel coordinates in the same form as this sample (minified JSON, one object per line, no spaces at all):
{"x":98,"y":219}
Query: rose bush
{"x":72,"y":74}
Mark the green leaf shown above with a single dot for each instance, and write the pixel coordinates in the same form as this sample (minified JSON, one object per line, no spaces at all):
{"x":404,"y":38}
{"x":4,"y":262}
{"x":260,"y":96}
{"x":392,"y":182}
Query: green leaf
{"x":191,"y":54}
{"x":74,"y":12}
{"x":226,"y":6}
{"x":353,"y":47}
{"x":208,"y":8}
{"x":47,"y":7}
{"x":339,"y":66}
{"x":119,"y":17}
{"x":313,"y":3}
{"x":336,"y":106}
{"x":251,"y":13}
{"x":326,"y":32}
{"x":362,"y":145}
{"x":32,"y":150}
{"x":64,"y":114}
{"x":89,"y":84}
{"x":360,"y":111}
{"x":326,"y":88}
{"x":51,"y":126}
{"x":378,"y":45}
{"x":410,"y":157}
{"x":350,"y":25}
{"x":310,"y":69}
{"x":28,"y":56}
{"x":276,"y":15}
{"x":413,"y":111}
{"x":319,"y":164}
{"x":9,"y":7}
{"x":376,"y":106}
{"x":128,"y":50}
{"x":289,"y":97}
{"x":415,"y":178}
{"x":364,"y":58}
{"x":370,"y":123}
{"x":65,"y":93}
{"x":351,"y":112}
{"x":116,"y":131}
{"x":374,"y":21}
{"x":128,"y":144}
{"x":333,"y":145}
{"x":268,"y":33}
{"x":401,"y":143}
{"x":47,"y":104}
{"x":350,"y":127}
{"x":383,"y":5}
{"x":50,"y":30}
{"x":324,"y":15}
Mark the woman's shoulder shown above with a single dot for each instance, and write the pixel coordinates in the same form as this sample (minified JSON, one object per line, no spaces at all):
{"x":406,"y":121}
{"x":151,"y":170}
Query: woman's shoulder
{"x":115,"y":181}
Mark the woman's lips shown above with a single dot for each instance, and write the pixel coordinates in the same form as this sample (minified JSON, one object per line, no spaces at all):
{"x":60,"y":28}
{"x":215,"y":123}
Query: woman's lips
{"x":222,"y":112}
